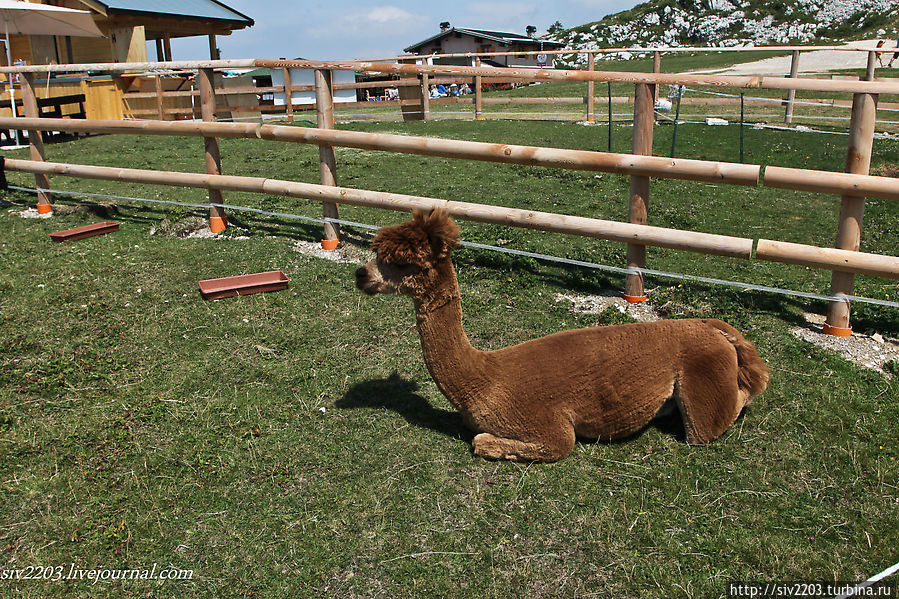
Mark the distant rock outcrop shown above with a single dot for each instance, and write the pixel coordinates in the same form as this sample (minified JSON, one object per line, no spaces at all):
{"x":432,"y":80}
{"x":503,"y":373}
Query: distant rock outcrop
{"x":735,"y":23}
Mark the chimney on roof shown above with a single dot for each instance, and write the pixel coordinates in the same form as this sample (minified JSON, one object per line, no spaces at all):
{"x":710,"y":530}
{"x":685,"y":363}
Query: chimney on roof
{"x":444,"y":26}
{"x":531,"y":31}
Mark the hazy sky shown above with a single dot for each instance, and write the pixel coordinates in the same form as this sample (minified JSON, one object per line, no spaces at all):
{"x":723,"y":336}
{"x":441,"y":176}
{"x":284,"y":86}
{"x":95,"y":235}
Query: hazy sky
{"x":342,"y":29}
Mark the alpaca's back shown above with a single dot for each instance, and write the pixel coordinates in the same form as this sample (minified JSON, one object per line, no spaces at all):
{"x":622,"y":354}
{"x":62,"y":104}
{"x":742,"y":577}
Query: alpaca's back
{"x":613,"y":380}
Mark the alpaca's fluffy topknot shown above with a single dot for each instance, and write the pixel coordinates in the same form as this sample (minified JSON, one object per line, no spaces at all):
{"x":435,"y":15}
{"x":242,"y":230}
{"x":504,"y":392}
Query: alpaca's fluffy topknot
{"x":425,"y":239}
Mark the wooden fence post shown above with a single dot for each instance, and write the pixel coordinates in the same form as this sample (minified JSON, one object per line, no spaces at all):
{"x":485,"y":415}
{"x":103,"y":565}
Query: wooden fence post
{"x":288,"y":95}
{"x":167,"y":47}
{"x":414,"y":103}
{"x":639,"y":192}
{"x":218,"y":220}
{"x":591,"y":89}
{"x":656,"y":68}
{"x":791,"y":94}
{"x":852,"y":208}
{"x":425,"y":97}
{"x":29,"y":103}
{"x":478,"y":96}
{"x":324,"y":105}
{"x":160,"y":104}
{"x":213,"y":48}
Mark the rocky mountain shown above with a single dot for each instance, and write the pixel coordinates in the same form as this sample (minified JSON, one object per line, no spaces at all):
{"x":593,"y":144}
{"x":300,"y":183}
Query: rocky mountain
{"x":735,"y":23}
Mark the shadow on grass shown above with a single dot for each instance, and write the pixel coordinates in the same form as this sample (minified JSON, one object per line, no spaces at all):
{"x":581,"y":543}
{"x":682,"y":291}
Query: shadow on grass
{"x":399,"y":395}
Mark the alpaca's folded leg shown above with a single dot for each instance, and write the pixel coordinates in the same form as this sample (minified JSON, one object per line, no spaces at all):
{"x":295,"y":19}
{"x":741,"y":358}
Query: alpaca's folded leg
{"x":499,"y":448}
{"x":709,"y":402}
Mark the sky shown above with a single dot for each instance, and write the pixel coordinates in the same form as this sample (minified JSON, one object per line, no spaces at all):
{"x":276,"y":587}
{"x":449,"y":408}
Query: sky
{"x":345,"y":29}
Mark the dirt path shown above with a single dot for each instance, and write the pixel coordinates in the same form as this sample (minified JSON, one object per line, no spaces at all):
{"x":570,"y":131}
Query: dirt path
{"x":815,"y":61}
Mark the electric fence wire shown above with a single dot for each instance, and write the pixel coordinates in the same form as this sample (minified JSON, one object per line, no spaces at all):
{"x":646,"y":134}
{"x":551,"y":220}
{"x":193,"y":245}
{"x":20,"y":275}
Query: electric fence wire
{"x":683,"y":120}
{"x":776,"y":100}
{"x":839,"y":297}
{"x":858,"y":590}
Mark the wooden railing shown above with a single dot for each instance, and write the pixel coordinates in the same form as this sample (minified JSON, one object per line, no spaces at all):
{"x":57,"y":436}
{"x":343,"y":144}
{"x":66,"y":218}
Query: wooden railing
{"x":845,"y":260}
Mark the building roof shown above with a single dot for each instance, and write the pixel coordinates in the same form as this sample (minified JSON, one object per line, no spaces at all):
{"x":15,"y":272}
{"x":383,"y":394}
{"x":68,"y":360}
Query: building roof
{"x":207,"y":10}
{"x":503,"y":37}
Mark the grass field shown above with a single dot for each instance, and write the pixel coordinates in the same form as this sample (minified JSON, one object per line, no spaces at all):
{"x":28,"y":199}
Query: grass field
{"x":293,"y":444}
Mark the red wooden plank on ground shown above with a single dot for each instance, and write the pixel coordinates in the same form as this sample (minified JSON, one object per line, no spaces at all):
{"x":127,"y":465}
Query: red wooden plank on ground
{"x":85,"y":231}
{"x":274,"y":280}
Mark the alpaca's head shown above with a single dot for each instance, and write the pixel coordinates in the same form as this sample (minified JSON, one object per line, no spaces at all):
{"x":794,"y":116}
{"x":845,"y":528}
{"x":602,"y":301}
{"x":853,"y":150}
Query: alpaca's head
{"x":411,"y":258}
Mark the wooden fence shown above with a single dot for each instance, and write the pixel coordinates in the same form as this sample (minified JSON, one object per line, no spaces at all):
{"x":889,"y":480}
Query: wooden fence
{"x":845,"y":260}
{"x":173,"y":93}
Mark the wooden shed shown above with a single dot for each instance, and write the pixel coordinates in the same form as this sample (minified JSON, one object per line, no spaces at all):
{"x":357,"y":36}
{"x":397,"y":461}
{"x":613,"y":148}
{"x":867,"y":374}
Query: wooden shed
{"x":129,"y":25}
{"x":463,"y":40}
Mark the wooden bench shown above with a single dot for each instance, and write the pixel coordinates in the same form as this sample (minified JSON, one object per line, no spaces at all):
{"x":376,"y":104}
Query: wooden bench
{"x":50,"y":108}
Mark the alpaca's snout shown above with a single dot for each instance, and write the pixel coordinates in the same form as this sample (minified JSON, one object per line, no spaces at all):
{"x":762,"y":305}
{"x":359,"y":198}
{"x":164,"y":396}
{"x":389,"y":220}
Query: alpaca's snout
{"x":365,"y":282}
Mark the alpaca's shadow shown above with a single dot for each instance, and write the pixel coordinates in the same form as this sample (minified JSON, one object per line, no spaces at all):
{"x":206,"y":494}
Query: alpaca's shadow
{"x":397,"y":394}
{"x":671,"y":425}
{"x":400,"y":395}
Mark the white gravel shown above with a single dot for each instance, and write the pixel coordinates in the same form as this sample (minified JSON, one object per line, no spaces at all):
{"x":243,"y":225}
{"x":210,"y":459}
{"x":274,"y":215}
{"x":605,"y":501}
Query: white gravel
{"x":31,"y":213}
{"x":868,"y":351}
{"x":596,"y":304}
{"x":345,"y":253}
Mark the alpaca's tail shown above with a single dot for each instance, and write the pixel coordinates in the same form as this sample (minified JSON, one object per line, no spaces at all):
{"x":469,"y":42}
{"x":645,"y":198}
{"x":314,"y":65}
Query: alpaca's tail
{"x":752,"y":377}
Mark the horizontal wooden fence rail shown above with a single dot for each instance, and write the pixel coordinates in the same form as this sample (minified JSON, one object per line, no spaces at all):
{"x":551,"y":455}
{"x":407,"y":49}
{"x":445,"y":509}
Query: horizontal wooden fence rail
{"x":705,"y":243}
{"x":233,"y":91}
{"x":651,"y":166}
{"x":523,"y":73}
{"x":885,"y":188}
{"x":830,"y":258}
{"x":654,"y":166}
{"x":531,"y":74}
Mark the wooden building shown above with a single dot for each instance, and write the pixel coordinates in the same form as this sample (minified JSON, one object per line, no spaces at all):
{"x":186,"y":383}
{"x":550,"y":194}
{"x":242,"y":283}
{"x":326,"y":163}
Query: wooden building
{"x":458,"y":40}
{"x":128,"y":26}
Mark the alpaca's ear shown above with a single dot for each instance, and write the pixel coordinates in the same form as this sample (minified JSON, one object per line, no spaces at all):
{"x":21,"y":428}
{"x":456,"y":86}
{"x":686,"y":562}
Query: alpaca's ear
{"x":443,"y":233}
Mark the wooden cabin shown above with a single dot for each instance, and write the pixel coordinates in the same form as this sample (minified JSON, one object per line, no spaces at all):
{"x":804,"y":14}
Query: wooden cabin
{"x":458,"y":40}
{"x":128,"y":26}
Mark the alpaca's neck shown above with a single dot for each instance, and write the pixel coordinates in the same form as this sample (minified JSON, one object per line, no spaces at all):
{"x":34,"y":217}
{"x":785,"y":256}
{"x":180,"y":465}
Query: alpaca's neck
{"x":455,"y":365}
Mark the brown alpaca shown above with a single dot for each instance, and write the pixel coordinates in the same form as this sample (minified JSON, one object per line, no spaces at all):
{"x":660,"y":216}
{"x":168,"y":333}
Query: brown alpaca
{"x":528,"y":401}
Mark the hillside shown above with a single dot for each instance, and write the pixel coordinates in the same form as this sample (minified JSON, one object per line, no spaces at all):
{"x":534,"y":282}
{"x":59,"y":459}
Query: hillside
{"x":736,"y":23}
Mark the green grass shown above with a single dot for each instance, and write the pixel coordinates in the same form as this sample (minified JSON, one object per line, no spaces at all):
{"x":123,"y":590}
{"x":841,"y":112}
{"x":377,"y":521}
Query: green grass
{"x":293,"y":444}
